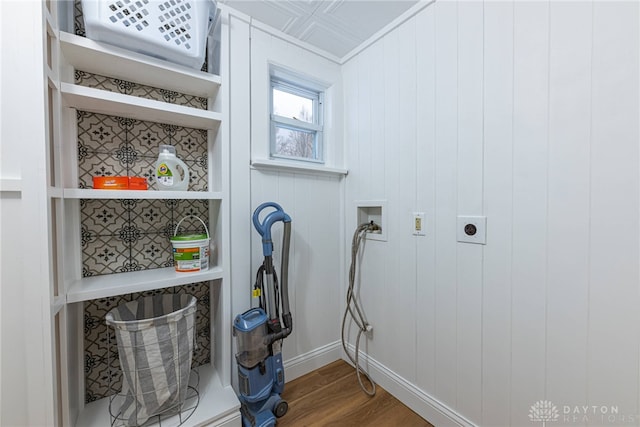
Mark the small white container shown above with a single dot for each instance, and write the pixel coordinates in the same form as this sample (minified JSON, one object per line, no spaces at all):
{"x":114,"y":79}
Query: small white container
{"x":173,"y":30}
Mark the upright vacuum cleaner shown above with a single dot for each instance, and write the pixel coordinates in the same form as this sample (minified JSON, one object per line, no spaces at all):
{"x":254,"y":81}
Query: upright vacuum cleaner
{"x":260,"y":331}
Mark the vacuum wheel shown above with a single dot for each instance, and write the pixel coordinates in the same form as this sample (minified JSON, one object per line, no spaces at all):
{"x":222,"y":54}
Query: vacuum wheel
{"x":281,"y":408}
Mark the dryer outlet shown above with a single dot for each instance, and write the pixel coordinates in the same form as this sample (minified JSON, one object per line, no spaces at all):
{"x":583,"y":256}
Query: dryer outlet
{"x":472,"y":229}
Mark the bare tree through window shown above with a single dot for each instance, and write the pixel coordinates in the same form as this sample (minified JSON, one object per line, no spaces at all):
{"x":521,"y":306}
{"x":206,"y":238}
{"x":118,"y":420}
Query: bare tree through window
{"x":296,"y":143}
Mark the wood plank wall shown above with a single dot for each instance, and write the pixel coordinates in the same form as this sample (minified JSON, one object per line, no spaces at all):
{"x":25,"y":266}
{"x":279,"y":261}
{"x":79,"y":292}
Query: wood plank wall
{"x":526,"y":112}
{"x":313,"y":201}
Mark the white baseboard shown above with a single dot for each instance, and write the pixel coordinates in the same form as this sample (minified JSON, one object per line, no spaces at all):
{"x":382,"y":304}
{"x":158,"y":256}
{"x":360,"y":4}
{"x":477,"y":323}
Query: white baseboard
{"x":308,"y":362}
{"x":429,"y":408}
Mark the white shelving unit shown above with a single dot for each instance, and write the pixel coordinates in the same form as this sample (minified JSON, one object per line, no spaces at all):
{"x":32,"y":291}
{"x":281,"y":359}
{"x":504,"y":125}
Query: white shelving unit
{"x":89,"y":193}
{"x":110,"y":103}
{"x":213,"y":401}
{"x":65,"y":53}
{"x":94,"y":57}
{"x":89,"y":288}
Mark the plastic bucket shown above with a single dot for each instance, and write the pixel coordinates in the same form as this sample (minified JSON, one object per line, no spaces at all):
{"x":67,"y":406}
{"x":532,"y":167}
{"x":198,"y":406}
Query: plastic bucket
{"x":191,"y":251}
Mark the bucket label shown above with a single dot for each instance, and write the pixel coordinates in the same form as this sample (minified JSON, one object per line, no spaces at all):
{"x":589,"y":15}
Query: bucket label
{"x":191,"y":259}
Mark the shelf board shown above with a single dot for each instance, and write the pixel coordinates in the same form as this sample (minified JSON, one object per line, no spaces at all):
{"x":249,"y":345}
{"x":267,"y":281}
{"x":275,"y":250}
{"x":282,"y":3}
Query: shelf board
{"x":11,"y":184}
{"x":117,"y":104}
{"x":107,"y":60}
{"x":89,"y":193}
{"x":216,"y":402}
{"x":55,"y":192}
{"x":108,"y":285}
{"x":58,"y":303}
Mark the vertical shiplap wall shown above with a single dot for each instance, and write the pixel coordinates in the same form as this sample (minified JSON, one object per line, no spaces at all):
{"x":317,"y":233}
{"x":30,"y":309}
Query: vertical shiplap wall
{"x":613,"y":227}
{"x":498,"y":172}
{"x":530,"y":186}
{"x":313,"y":201}
{"x":528,"y":113}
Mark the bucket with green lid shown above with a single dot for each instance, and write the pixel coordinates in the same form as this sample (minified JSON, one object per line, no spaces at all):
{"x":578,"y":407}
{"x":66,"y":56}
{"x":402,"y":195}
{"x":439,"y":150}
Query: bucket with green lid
{"x":190,"y":251}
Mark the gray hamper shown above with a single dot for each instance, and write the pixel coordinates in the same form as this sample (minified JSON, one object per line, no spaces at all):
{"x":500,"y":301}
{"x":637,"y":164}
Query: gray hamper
{"x":155,"y":337}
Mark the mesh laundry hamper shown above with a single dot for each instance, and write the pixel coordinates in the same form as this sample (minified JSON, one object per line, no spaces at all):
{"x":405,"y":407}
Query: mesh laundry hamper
{"x":155,"y":337}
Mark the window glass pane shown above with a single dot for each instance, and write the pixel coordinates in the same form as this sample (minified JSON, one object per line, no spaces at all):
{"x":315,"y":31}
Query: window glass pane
{"x":292,"y":106}
{"x":295,"y":143}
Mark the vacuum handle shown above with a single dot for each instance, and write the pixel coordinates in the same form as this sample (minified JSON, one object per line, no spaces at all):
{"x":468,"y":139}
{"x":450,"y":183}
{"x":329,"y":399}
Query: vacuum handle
{"x":264,"y":228}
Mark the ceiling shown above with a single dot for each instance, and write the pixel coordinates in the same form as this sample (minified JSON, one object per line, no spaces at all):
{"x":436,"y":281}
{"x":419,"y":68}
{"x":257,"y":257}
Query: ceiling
{"x":334,"y":26}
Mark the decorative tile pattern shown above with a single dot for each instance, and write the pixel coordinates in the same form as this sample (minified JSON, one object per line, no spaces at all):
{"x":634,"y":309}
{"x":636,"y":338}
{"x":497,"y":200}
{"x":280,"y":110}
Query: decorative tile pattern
{"x":105,"y":255}
{"x":101,"y":364}
{"x":184,"y":208}
{"x":130,"y":88}
{"x":130,"y":235}
{"x":113,"y":146}
{"x":78,"y":18}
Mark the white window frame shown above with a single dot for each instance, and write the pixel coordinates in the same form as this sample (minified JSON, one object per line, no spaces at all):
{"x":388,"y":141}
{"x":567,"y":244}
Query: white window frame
{"x":301,"y":87}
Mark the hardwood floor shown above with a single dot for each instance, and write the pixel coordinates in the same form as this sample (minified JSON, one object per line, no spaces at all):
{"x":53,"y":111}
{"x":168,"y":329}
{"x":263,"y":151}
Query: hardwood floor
{"x":331,"y":396}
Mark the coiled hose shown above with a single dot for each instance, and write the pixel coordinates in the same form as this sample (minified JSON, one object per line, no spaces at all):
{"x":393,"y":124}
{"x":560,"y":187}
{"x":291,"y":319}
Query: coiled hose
{"x":352,"y":303}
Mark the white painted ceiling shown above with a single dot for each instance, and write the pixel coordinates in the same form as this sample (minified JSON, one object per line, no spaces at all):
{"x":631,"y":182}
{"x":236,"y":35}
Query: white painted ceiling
{"x":335,"y":26}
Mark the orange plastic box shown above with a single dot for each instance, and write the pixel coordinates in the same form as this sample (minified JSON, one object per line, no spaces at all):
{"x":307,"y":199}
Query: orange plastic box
{"x":120,"y":183}
{"x":111,"y":182}
{"x":138,"y":183}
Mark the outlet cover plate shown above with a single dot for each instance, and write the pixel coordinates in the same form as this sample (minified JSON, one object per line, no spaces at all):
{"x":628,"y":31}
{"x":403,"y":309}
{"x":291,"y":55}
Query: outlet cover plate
{"x":418,"y":224}
{"x":472,"y":229}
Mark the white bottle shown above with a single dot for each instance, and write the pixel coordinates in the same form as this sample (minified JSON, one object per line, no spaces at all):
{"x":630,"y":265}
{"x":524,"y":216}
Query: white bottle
{"x":168,"y":175}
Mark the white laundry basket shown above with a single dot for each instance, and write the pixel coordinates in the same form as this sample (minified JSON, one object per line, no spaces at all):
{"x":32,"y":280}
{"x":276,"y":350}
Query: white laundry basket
{"x":155,"y":337}
{"x":173,"y":30}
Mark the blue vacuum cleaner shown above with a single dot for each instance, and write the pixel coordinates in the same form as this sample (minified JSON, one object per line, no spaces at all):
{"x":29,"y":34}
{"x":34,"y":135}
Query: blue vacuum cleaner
{"x":260,"y":331}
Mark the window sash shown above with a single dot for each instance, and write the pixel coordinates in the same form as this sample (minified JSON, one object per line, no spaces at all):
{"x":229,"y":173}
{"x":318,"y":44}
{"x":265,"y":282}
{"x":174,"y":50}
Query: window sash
{"x":318,"y":150}
{"x":315,"y":97}
{"x":315,"y":127}
{"x":297,"y":124}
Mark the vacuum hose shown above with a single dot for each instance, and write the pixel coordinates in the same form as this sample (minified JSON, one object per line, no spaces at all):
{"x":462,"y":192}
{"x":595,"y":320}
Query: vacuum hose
{"x":284,"y":268}
{"x":352,"y":303}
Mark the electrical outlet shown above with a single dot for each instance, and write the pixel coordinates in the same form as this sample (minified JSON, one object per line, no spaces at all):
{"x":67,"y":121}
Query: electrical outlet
{"x":418,"y":224}
{"x":472,"y":229}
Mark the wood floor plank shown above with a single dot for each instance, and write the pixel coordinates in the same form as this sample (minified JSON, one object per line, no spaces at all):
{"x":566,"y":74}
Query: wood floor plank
{"x":325,"y":403}
{"x":331,"y":396}
{"x":317,"y":379}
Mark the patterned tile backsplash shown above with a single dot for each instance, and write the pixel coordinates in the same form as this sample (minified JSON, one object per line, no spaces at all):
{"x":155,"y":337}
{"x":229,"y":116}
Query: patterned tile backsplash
{"x":130,"y":88}
{"x":130,"y":235}
{"x":115,"y":146}
{"x":100,"y":349}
